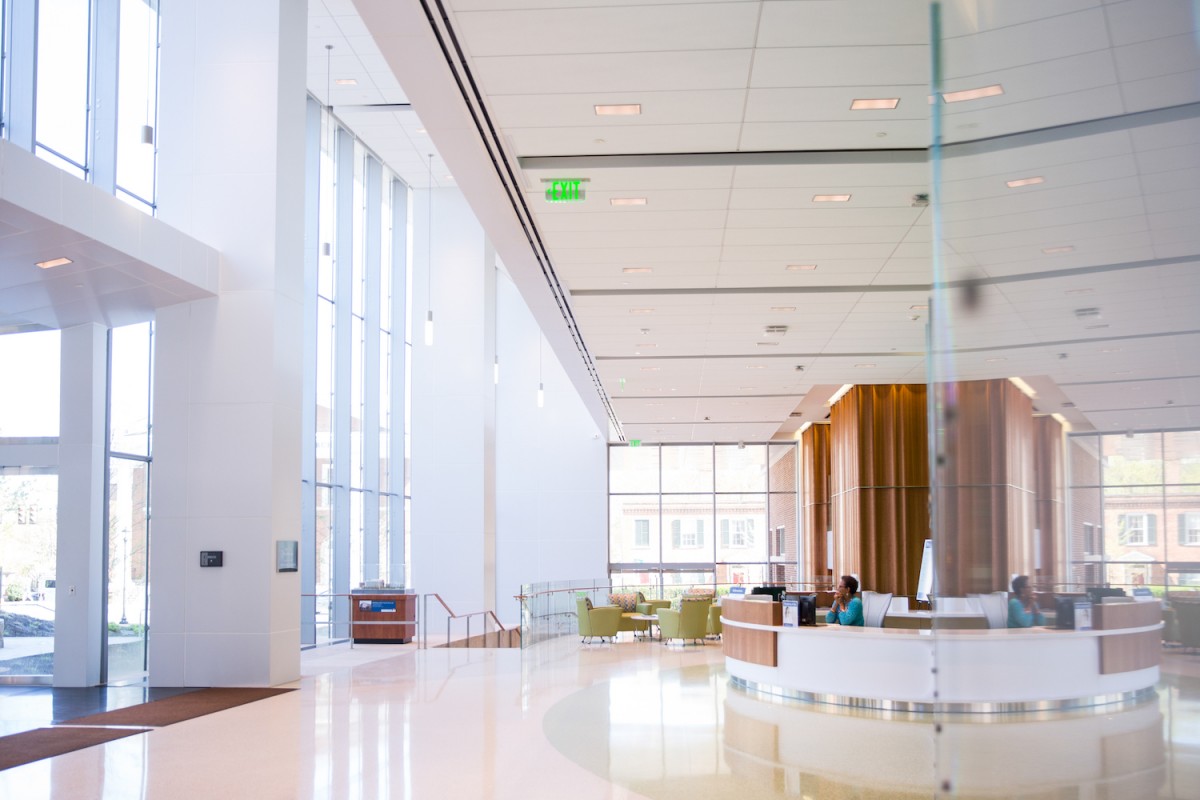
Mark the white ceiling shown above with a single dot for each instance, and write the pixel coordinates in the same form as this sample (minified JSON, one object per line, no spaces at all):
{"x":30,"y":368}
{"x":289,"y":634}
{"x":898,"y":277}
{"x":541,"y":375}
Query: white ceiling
{"x":1087,"y":284}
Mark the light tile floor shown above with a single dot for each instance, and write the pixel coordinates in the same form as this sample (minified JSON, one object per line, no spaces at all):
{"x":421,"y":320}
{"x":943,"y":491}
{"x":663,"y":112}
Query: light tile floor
{"x":612,"y":722}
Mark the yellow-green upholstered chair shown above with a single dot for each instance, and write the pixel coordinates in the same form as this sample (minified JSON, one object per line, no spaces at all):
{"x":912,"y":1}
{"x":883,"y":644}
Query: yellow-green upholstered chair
{"x":689,"y":622}
{"x":714,"y":621}
{"x":603,"y":621}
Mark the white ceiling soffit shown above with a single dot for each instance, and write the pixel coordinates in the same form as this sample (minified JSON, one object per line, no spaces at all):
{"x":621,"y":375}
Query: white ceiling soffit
{"x":1067,"y":192}
{"x":122,"y":263}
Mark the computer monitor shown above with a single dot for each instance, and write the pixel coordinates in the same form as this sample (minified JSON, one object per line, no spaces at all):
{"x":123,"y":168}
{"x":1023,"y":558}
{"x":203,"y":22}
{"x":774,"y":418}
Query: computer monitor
{"x":1097,"y":593}
{"x":808,"y":609}
{"x":1064,"y":613}
{"x":776,"y":592}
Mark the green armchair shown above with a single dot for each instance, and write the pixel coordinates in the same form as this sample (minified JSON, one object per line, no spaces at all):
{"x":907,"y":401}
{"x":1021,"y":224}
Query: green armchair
{"x":689,"y":622}
{"x":714,"y":621}
{"x":604,"y":621}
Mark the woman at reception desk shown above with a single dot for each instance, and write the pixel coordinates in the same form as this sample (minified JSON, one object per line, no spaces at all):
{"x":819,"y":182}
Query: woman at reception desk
{"x":970,"y":671}
{"x":846,"y":609}
{"x":1023,"y":609}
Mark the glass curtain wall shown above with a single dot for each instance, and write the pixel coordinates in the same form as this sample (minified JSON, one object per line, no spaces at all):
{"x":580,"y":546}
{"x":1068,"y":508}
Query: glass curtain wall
{"x":131,"y":356}
{"x":85,"y":98}
{"x":354,"y":529}
{"x":1135,"y":511}
{"x":29,"y":424}
{"x":701,"y":515}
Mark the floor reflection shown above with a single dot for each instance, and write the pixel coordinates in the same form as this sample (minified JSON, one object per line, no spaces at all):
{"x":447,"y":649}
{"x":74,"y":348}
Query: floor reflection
{"x":689,"y":734}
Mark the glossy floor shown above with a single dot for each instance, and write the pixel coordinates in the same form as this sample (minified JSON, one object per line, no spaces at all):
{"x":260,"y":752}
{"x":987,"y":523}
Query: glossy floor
{"x":612,"y":721}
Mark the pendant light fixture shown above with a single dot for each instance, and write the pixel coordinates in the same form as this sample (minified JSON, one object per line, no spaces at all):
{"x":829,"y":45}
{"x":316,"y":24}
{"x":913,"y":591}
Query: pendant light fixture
{"x":541,"y":395}
{"x":429,"y":259}
{"x":151,"y":71}
{"x":496,"y":328}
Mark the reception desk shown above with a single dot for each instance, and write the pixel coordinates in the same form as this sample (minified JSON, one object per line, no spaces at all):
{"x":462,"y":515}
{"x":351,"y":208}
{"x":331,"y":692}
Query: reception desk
{"x":383,"y":616}
{"x":987,"y":671}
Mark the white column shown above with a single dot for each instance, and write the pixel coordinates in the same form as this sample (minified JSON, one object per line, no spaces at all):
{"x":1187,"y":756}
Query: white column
{"x":79,"y":597}
{"x":228,"y":371}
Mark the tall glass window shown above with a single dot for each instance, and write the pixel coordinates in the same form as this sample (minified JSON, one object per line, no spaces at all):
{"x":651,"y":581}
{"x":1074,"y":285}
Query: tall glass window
{"x":30,"y":365}
{"x":137,"y":103}
{"x":61,"y":119}
{"x":357,"y":520}
{"x":81,"y":88}
{"x":131,"y":359}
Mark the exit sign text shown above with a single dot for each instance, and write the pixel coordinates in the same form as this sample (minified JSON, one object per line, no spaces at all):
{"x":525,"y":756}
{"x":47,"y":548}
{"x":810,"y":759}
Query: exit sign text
{"x":565,"y":190}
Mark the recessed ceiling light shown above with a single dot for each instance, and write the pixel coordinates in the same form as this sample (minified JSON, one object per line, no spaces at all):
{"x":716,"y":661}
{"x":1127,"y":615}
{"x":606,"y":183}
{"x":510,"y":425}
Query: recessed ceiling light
{"x":876,"y":103}
{"x":919,"y":307}
{"x":864,"y":366}
{"x":653,"y":404}
{"x":1110,"y":350}
{"x":641,"y":311}
{"x":973,"y":94}
{"x":637,"y":270}
{"x":767,"y":344}
{"x":800,"y":267}
{"x":627,"y":201}
{"x":54,"y":262}
{"x":618,"y":110}
{"x":831,"y":198}
{"x":651,"y":369}
{"x":997,"y":358}
{"x":1025,"y":182}
{"x":420,"y":130}
{"x":1053,"y":250}
{"x":745,"y":388}
{"x":646,"y":345}
{"x":346,"y":82}
{"x":756,"y":366}
{"x":783,"y":309}
{"x":1079,"y":291}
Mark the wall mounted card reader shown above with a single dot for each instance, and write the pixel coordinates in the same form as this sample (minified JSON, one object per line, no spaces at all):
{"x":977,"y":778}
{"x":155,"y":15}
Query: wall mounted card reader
{"x":212,"y":558}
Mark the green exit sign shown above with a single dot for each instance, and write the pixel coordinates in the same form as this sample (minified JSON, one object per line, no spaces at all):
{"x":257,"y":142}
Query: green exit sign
{"x":565,"y":190}
{"x":635,"y":442}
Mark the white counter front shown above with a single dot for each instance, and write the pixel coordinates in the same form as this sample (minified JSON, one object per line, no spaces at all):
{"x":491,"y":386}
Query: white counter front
{"x":955,"y":670}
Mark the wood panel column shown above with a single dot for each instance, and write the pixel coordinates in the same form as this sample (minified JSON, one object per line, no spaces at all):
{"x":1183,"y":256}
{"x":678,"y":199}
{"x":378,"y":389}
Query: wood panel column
{"x":814,"y":503}
{"x":880,"y":485}
{"x":984,"y":490}
{"x":1050,"y":492}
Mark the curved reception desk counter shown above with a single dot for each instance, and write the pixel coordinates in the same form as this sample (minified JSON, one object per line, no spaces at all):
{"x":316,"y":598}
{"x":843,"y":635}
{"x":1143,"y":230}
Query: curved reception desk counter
{"x":946,"y":670}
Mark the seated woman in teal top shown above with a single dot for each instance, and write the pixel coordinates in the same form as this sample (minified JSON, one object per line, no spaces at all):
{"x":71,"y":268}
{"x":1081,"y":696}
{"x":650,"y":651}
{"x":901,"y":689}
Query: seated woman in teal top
{"x":1023,"y":609}
{"x":847,"y":609}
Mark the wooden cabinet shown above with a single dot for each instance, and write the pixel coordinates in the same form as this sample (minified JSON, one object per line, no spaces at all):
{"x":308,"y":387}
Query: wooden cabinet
{"x":383,"y":617}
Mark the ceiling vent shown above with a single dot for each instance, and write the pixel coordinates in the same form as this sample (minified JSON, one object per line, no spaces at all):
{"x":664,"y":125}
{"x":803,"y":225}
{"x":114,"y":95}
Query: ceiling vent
{"x":775,"y":330}
{"x":796,"y":414}
{"x":920,"y":200}
{"x":1084,"y":313}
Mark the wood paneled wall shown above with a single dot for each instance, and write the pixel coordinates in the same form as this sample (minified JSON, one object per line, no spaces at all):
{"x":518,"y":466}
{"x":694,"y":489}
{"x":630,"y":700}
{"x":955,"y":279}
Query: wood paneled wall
{"x":985,"y":490}
{"x":1001,"y":474}
{"x":880,"y":485}
{"x":1050,"y":493}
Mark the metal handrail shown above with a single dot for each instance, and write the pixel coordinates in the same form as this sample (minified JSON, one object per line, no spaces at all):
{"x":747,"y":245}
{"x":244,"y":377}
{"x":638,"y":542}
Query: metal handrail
{"x":451,"y":616}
